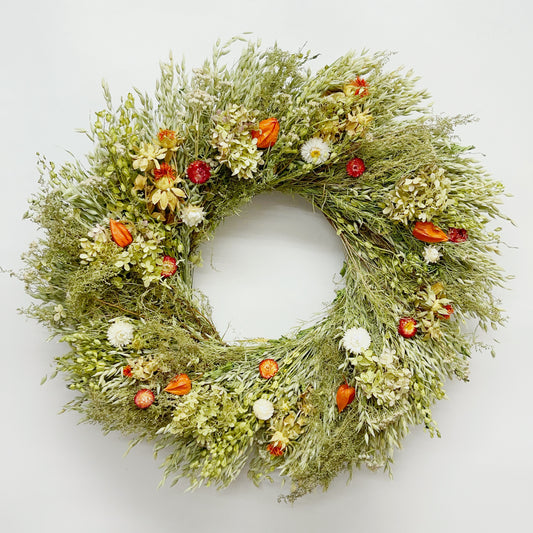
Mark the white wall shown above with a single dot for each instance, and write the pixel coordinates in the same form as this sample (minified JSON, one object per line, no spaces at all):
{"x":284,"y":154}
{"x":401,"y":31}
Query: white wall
{"x":474,"y":56}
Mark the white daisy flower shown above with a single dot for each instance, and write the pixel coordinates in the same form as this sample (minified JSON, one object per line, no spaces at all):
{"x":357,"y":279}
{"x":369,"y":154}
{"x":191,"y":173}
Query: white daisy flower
{"x":263,"y":409}
{"x":120,"y":333}
{"x":431,"y":254}
{"x":192,"y":215}
{"x":356,"y":340}
{"x":315,"y":151}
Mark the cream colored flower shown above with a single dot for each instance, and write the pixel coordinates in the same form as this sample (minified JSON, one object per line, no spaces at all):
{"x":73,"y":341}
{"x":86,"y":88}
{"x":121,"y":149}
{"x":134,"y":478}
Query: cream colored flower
{"x":120,"y":333}
{"x":280,"y":439}
{"x":143,"y":369}
{"x":201,"y":98}
{"x":431,"y":254}
{"x":263,"y":409}
{"x":98,"y":233}
{"x":147,"y":157}
{"x":420,"y":196}
{"x":387,"y":357}
{"x":315,"y":151}
{"x":231,"y":137}
{"x":192,"y":215}
{"x":357,"y":122}
{"x":167,"y":198}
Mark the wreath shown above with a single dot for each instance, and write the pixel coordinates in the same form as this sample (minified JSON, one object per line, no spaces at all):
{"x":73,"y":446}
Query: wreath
{"x":113,"y":271}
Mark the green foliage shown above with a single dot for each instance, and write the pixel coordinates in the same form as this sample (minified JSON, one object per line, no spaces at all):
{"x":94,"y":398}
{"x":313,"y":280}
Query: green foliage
{"x":415,"y":170}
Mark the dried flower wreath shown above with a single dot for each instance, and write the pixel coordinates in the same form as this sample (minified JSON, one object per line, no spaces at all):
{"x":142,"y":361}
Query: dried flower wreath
{"x":114,"y":271}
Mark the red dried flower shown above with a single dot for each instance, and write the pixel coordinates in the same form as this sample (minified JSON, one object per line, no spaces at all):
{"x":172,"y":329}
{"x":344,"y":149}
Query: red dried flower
{"x":144,"y":398}
{"x":169,"y":266}
{"x":355,"y":167}
{"x":199,"y":172}
{"x":275,"y":449}
{"x":407,"y":327}
{"x":126,"y":371}
{"x":457,"y":235}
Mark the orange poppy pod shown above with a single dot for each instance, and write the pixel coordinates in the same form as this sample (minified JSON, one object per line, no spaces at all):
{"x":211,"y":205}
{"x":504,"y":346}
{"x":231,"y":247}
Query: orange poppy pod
{"x":120,"y":233}
{"x":267,"y":135}
{"x":428,"y":232}
{"x":345,"y":396}
{"x":180,"y":385}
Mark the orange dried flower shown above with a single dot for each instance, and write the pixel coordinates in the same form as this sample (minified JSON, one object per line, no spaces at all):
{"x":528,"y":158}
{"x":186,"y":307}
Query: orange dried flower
{"x":126,"y":371}
{"x":275,"y":449}
{"x":168,"y":139}
{"x":120,"y":233}
{"x":166,"y":134}
{"x":361,"y":85}
{"x":180,"y":385}
{"x":449,"y":312}
{"x":164,"y":171}
{"x":268,"y":368}
{"x":345,"y":396}
{"x":428,"y":232}
{"x":164,"y":177}
{"x":267,"y":134}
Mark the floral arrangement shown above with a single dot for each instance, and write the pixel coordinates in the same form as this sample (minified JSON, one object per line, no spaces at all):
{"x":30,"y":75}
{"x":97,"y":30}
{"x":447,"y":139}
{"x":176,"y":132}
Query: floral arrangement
{"x":113,"y":271}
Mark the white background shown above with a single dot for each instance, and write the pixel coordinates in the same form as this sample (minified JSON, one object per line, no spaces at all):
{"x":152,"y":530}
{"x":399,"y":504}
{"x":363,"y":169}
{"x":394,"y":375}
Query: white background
{"x":474,"y":56}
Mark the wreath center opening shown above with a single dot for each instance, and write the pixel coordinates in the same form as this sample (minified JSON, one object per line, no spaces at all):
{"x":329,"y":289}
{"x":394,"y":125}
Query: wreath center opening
{"x":271,"y":269}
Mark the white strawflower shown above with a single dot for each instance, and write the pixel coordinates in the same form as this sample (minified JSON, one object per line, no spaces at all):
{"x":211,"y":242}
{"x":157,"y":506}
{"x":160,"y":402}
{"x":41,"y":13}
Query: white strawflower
{"x":356,"y":340}
{"x":431,"y":254}
{"x":120,"y":333}
{"x":263,"y":409}
{"x":315,"y":151}
{"x":192,"y":215}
